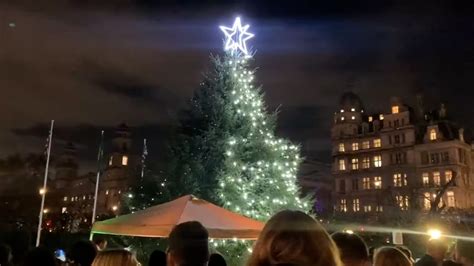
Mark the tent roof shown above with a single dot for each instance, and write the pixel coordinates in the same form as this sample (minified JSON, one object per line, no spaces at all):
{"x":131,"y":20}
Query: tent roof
{"x":159,"y":220}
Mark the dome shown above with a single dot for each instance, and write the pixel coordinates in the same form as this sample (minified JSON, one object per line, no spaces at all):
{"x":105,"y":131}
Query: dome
{"x":350,"y":100}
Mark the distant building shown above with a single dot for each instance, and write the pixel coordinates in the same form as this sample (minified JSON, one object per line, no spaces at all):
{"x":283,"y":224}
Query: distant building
{"x":73,"y":194}
{"x":397,"y":159}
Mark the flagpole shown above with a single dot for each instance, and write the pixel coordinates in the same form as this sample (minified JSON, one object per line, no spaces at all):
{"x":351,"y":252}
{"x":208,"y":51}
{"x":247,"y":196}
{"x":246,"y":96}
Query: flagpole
{"x":45,"y":181}
{"x":145,"y":153}
{"x":99,"y":156}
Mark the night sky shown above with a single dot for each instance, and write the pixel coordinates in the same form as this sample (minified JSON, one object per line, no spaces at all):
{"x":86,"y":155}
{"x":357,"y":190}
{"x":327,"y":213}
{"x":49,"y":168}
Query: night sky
{"x":94,"y":66}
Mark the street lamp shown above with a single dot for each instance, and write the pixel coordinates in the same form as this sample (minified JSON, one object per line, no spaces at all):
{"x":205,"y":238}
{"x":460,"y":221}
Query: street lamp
{"x":114,"y":208}
{"x":42,"y":191}
{"x":434,"y":233}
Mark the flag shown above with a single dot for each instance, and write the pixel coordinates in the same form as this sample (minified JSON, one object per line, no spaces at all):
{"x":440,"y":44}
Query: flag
{"x":145,"y":152}
{"x":144,"y":155}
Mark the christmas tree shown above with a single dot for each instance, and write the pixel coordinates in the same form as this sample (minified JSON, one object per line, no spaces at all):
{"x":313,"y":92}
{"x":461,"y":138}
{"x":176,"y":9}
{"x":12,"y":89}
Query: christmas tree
{"x":227,"y":150}
{"x":258,"y":177}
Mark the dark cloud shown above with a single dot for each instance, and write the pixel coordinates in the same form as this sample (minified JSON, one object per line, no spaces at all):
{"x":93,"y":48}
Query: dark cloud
{"x":91,"y":66}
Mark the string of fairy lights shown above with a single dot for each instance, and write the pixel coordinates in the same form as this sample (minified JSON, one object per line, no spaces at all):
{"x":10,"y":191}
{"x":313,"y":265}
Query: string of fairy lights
{"x":250,"y":175}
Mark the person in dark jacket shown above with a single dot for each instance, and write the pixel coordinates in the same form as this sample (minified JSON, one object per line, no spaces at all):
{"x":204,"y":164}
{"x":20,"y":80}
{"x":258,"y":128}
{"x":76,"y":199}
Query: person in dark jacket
{"x":435,"y":252}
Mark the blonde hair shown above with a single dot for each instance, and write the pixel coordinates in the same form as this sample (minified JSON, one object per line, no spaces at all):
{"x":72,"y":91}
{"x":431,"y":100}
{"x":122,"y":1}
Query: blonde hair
{"x":390,"y":256}
{"x":294,"y":238}
{"x":120,"y":257}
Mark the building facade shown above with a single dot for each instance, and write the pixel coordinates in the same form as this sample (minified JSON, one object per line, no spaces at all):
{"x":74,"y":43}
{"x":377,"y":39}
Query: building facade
{"x":73,"y":195}
{"x":398,"y":160}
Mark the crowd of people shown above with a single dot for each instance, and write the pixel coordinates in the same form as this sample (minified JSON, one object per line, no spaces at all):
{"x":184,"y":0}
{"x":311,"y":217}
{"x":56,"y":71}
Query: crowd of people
{"x":289,"y":238}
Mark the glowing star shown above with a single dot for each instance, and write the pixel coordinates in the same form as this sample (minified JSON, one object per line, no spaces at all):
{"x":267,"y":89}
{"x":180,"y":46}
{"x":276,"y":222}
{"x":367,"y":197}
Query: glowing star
{"x":236,"y":37}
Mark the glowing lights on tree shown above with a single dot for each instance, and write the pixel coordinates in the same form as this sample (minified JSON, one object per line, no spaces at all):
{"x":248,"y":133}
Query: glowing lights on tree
{"x":236,"y":37}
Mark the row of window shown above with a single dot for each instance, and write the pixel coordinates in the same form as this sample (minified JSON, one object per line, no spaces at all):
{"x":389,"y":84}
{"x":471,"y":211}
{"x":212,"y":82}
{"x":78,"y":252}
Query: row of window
{"x":436,"y":180}
{"x":396,"y":139}
{"x":77,"y":198}
{"x":399,"y":180}
{"x":124,"y":160}
{"x":356,"y":206}
{"x":434,"y":158}
{"x":376,"y":143}
{"x":396,"y":123}
{"x":376,"y":160}
{"x":84,"y":197}
{"x":429,"y":198}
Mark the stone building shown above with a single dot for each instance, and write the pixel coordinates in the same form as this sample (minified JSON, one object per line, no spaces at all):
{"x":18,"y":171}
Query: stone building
{"x":73,"y":194}
{"x":398,"y":159}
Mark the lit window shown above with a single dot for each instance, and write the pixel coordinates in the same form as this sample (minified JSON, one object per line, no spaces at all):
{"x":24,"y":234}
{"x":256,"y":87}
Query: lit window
{"x":353,"y":117}
{"x":355,"y":146}
{"x":63,"y":210}
{"x":342,"y":118}
{"x":379,"y":208}
{"x":355,"y":163}
{"x":65,"y":199}
{"x":436,"y":178}
{"x":371,"y":119}
{"x":403,"y":202}
{"x":111,"y":160}
{"x":378,"y":182}
{"x":120,"y":192}
{"x":366,"y":182}
{"x":381,"y":117}
{"x":366,"y":145}
{"x":448,"y":174}
{"x":355,"y":205}
{"x":342,"y":110}
{"x":343,"y":205}
{"x":107,"y":192}
{"x":399,"y":180}
{"x":353,"y":109}
{"x":427,"y":201}
{"x":342,"y":165}
{"x":341,"y":147}
{"x":426,"y":179}
{"x":451,"y":200}
{"x":84,"y":197}
{"x":366,"y":162}
{"x":367,"y":208}
{"x":377,"y":143}
{"x":395,"y":109}
{"x":378,"y":161}
{"x":124,"y":160}
{"x":433,"y":134}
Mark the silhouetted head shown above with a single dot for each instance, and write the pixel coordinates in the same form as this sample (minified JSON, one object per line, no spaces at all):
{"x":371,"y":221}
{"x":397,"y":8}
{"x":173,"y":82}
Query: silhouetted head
{"x":115,"y":257}
{"x":390,"y":256}
{"x":294,"y":238}
{"x":188,"y":245}
{"x":352,"y":248}
{"x":217,"y":259}
{"x":83,"y":252}
{"x":157,"y":258}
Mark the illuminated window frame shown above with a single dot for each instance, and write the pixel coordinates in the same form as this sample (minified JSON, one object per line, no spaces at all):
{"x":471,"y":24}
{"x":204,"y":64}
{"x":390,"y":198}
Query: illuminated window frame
{"x":124,"y":160}
{"x":377,"y":161}
{"x":433,"y":134}
{"x":395,"y":109}
{"x":377,"y":143}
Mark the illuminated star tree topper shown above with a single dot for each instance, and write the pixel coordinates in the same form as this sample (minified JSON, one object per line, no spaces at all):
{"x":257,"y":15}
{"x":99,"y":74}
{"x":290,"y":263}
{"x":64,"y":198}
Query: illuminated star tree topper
{"x":236,"y":37}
